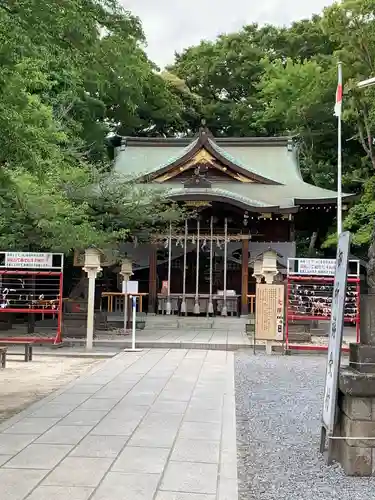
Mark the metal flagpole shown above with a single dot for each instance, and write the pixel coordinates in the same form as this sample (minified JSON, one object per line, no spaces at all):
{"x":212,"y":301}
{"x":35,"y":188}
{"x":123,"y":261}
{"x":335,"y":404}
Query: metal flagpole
{"x":196,"y":305}
{"x":224,"y":311}
{"x":210,"y":304}
{"x":183,"y":303}
{"x":169,"y":306}
{"x":338,"y":113}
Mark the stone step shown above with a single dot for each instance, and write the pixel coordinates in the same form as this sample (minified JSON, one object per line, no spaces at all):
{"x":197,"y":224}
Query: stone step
{"x":299,"y":337}
{"x":192,"y":323}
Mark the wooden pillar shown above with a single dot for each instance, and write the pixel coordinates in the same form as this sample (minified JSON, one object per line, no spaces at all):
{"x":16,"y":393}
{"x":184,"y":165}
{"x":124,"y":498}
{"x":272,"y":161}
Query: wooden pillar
{"x":152,"y":280}
{"x":292,"y":234}
{"x":245,"y":277}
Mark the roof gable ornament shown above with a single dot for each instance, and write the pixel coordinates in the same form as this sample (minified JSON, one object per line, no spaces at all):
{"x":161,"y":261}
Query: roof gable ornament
{"x":205,"y":149}
{"x":199,"y":178}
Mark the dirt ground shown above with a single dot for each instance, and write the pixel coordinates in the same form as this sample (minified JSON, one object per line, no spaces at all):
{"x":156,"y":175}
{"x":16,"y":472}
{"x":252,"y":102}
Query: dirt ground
{"x":23,"y":383}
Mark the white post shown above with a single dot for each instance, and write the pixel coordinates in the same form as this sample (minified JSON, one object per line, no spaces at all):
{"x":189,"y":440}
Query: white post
{"x":126,"y":272}
{"x":183,"y":303}
{"x":196,"y":304}
{"x":125,"y":304}
{"x":134,"y":319}
{"x":169,"y":305}
{"x":224,"y":311}
{"x":210,"y":304}
{"x":92,"y":268}
{"x":91,"y":273}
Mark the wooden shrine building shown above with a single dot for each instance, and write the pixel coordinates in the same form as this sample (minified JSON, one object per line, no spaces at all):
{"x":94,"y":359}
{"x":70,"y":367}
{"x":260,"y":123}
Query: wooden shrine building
{"x":250,"y":197}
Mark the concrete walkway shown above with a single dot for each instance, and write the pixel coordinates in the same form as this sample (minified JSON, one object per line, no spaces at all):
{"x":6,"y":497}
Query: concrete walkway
{"x":154,"y":425}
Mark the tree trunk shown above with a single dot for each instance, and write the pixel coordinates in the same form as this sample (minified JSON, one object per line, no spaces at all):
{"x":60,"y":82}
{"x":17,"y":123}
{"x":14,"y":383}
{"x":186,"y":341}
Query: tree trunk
{"x":311,"y":250}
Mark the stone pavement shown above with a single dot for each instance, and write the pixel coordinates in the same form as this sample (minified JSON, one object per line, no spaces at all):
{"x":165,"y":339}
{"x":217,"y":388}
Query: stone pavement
{"x":154,"y":425}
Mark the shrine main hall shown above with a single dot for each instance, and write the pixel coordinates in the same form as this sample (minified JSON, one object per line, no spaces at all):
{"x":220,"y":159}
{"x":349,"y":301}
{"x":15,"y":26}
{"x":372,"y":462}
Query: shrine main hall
{"x":249,"y":197}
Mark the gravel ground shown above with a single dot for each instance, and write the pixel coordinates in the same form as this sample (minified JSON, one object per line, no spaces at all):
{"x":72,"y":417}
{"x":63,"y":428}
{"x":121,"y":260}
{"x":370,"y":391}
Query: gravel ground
{"x":278,"y":403}
{"x":23,"y":383}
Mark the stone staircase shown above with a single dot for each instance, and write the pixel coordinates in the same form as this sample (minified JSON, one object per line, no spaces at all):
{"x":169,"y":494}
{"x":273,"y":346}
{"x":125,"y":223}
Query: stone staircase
{"x":188,"y":323}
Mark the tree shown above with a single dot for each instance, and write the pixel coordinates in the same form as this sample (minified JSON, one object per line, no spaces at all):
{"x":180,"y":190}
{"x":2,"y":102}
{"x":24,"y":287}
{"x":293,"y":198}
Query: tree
{"x":78,"y":208}
{"x":352,"y":25}
{"x":70,"y":72}
{"x":82,"y":62}
{"x":274,"y":81}
{"x":297,"y":99}
{"x":226,"y":73}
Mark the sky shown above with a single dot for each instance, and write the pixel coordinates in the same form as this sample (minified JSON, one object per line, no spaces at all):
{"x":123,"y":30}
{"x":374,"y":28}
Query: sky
{"x":172,"y":25}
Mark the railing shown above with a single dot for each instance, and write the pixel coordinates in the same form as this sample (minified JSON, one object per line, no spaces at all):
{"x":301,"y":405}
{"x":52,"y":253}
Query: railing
{"x":251,"y":303}
{"x":115,"y":301}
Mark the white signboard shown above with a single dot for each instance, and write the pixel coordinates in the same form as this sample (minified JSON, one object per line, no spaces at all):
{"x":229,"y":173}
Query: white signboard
{"x":335,"y":333}
{"x":130,"y":288}
{"x":320,"y":267}
{"x":28,"y":260}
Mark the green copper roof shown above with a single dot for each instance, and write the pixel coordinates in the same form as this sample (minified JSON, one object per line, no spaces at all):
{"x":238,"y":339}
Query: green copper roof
{"x":250,"y":163}
{"x":269,"y":158}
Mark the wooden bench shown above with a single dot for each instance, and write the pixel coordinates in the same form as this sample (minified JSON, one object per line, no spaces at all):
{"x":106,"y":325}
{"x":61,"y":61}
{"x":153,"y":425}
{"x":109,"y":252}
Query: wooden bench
{"x":3,"y":356}
{"x":28,"y":355}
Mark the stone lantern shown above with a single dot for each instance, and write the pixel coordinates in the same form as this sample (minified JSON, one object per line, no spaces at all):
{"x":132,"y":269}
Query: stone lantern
{"x":269,"y":268}
{"x":126,"y":268}
{"x":258,"y":266}
{"x":92,"y":268}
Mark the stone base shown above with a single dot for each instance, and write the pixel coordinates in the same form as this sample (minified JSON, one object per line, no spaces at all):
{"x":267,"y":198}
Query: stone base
{"x":355,"y":460}
{"x":362,"y":358}
{"x":356,"y":423}
{"x":355,"y":383}
{"x":299,"y":337}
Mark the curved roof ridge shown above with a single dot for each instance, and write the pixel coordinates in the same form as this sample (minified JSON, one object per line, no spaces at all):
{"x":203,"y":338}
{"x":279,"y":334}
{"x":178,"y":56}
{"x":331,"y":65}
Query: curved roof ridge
{"x":330,"y":195}
{"x":173,"y":159}
{"x":225,"y":193}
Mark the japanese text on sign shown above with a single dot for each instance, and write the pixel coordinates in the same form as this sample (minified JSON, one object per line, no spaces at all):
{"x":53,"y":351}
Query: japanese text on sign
{"x":28,"y":260}
{"x":320,"y":267}
{"x":270,"y":312}
{"x":336,"y":333}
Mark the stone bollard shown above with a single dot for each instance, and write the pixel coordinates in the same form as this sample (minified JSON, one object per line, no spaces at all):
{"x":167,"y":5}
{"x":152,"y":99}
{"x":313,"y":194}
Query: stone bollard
{"x":356,"y":414}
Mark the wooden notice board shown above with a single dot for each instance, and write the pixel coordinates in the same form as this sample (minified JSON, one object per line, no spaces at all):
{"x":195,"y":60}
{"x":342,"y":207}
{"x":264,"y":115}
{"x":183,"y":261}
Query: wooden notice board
{"x":269,"y":312}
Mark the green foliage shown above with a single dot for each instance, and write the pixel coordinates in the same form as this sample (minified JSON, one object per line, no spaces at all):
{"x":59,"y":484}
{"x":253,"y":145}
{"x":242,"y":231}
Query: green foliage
{"x":74,"y":70}
{"x":360,"y":219}
{"x":272,"y":81}
{"x":80,"y":207}
{"x":297,"y":99}
{"x":37,"y":214}
{"x":70,"y":72}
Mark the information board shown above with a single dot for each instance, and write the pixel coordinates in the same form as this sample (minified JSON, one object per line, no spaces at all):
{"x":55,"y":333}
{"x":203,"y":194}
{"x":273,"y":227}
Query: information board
{"x":320,"y":267}
{"x":269,"y":312}
{"x":130,"y":287}
{"x":30,"y":260}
